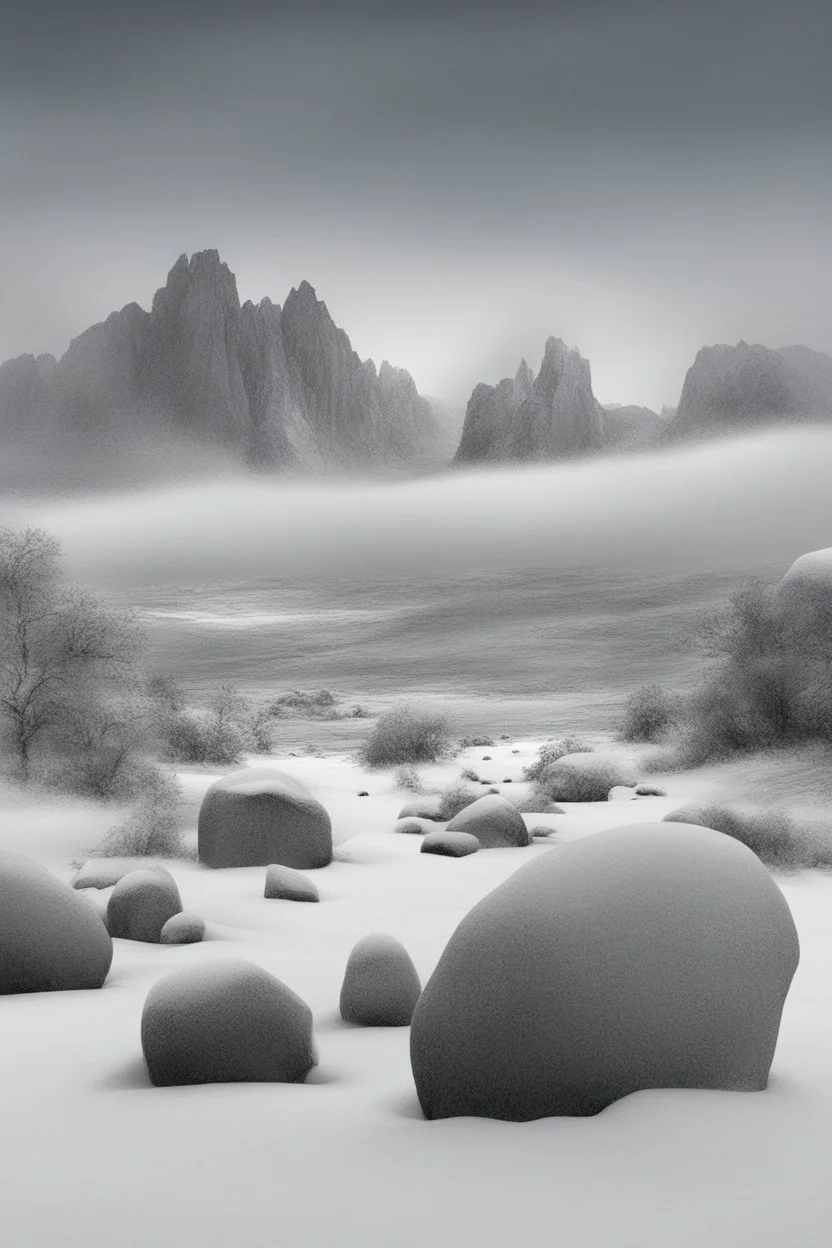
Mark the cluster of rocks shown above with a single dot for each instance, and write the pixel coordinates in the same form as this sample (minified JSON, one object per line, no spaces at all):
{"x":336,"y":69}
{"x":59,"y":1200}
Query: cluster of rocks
{"x":489,"y":822}
{"x":144,"y":904}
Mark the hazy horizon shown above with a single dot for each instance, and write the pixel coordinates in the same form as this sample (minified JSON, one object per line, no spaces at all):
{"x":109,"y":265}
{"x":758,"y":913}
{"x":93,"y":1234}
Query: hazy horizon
{"x":637,"y":179}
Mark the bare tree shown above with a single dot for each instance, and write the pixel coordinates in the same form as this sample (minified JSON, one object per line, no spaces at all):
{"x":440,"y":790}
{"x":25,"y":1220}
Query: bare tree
{"x":60,"y":649}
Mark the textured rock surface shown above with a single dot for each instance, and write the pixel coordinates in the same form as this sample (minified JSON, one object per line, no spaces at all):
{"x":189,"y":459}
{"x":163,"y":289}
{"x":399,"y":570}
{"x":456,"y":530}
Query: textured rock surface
{"x":735,"y":387}
{"x":50,"y":938}
{"x":272,"y":387}
{"x":493,"y":821}
{"x":140,"y":905}
{"x":182,"y":929}
{"x":551,"y":416}
{"x":286,"y":884}
{"x":450,"y":844}
{"x":631,"y":959}
{"x":412,"y":826}
{"x":226,"y":1022}
{"x":261,"y":815}
{"x":381,"y":985}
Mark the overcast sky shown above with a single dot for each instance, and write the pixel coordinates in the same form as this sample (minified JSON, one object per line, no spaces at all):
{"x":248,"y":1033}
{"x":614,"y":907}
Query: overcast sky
{"x":637,"y":178}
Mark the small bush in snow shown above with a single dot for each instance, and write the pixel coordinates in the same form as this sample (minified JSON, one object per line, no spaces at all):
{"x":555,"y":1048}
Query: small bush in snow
{"x":406,"y":734}
{"x":408,"y":778}
{"x":468,"y":743}
{"x":649,"y":713}
{"x":152,"y":827}
{"x":566,"y":781}
{"x":776,"y":838}
{"x":455,"y":798}
{"x":468,"y":773}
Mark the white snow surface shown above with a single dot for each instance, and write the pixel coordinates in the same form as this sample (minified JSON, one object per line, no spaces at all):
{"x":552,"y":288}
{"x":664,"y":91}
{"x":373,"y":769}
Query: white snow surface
{"x":95,"y":1156}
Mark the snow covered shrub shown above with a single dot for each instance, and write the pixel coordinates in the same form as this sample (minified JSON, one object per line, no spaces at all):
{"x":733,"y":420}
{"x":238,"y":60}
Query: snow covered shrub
{"x":649,"y":713}
{"x":217,"y":733}
{"x":777,"y":839}
{"x":468,"y":743}
{"x":152,"y":827}
{"x":406,"y":734}
{"x":551,"y":751}
{"x":454,"y":799}
{"x":408,"y":777}
{"x":582,"y":777}
{"x":468,"y":773}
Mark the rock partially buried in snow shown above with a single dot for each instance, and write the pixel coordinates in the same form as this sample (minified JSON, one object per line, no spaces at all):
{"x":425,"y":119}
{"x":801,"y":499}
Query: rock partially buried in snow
{"x":141,"y":904}
{"x":260,"y":815}
{"x":381,"y":985}
{"x":286,"y":884}
{"x":104,"y":872}
{"x":50,"y":938}
{"x":182,"y":929}
{"x":493,"y":821}
{"x":650,"y":790}
{"x":450,"y":844}
{"x":414,"y":827}
{"x":226,"y":1022}
{"x":692,"y":813}
{"x":423,"y":808}
{"x":631,"y":959}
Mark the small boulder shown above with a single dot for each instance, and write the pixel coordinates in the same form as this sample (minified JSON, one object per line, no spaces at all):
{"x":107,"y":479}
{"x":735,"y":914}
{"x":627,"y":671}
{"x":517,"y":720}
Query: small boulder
{"x":486,"y":758}
{"x":286,"y":884}
{"x":541,"y":829}
{"x":182,"y":929}
{"x":650,"y":790}
{"x":261,"y":815}
{"x":226,"y":1022}
{"x":450,"y":844}
{"x":423,"y":808}
{"x":363,"y":793}
{"x":141,"y":904}
{"x":381,"y":985}
{"x":51,"y":940}
{"x":493,"y":821}
{"x":414,"y":827}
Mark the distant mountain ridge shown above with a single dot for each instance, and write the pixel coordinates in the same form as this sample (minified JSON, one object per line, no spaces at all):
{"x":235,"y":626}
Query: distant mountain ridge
{"x":730,"y":388}
{"x":270,"y":387}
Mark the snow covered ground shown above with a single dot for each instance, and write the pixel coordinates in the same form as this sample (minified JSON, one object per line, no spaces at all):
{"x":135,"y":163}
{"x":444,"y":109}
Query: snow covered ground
{"x":93,"y":1155}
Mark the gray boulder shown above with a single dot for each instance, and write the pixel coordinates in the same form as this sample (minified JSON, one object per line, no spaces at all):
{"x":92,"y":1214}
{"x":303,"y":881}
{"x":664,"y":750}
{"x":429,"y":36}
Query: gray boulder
{"x":226,"y":1022}
{"x":260,"y":815}
{"x":140,"y":905}
{"x":630,"y":959}
{"x":50,"y":938}
{"x":414,"y":827}
{"x":286,"y":884}
{"x":650,"y":790}
{"x":182,"y":929}
{"x":494,"y":821}
{"x":450,"y":844}
{"x":381,"y":985}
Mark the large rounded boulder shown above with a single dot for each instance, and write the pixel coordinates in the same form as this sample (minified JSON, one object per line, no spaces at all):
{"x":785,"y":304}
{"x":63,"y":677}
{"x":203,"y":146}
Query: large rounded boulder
{"x":141,"y":904}
{"x":225,"y":1022}
{"x":381,"y":985}
{"x":652,"y":956}
{"x":493,"y":821}
{"x":50,"y":938}
{"x":260,"y":815}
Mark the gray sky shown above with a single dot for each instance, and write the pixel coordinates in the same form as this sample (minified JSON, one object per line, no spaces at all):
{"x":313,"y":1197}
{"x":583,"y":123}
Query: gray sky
{"x":637,"y":178}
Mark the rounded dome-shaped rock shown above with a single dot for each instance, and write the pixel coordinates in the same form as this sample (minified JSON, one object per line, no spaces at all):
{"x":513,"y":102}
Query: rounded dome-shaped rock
{"x":50,"y":938}
{"x":650,"y":790}
{"x":260,"y":815}
{"x":286,"y":884}
{"x":182,"y":929}
{"x":494,"y":821}
{"x":423,"y":808}
{"x":381,"y":985}
{"x":141,"y":904}
{"x":450,"y":844}
{"x":586,"y":777}
{"x":228,"y":1021}
{"x":412,"y":826}
{"x":630,"y":959}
